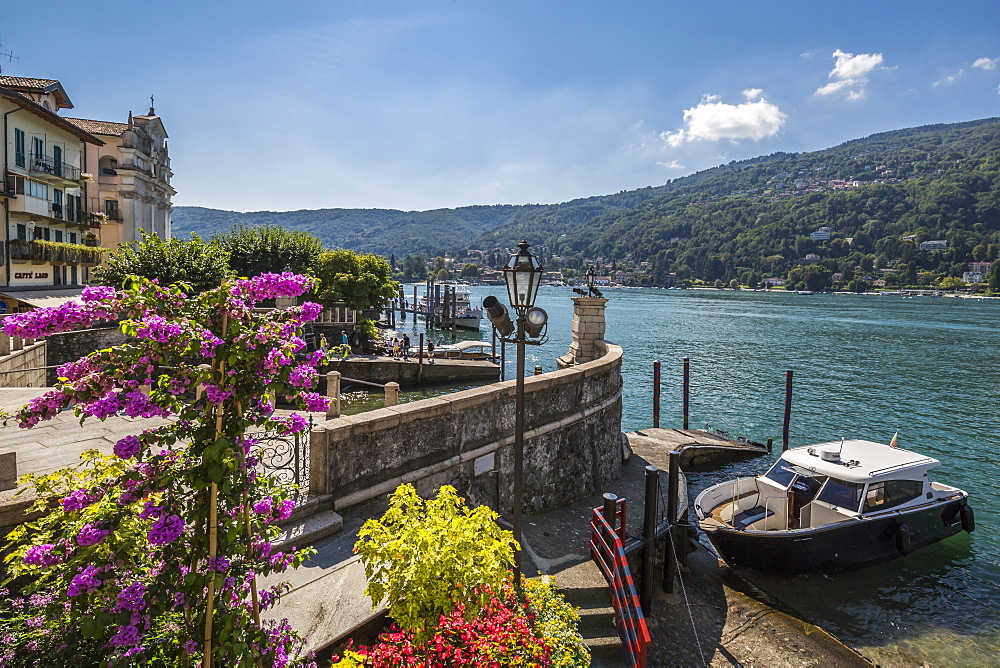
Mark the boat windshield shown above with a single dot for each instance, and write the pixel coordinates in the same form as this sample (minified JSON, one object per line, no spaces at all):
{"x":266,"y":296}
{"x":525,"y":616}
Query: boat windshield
{"x":782,"y":473}
{"x":842,"y":493}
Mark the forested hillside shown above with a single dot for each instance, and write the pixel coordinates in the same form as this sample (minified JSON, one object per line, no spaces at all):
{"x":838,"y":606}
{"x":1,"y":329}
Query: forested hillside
{"x":881,"y":196}
{"x":382,"y":231}
{"x":937,"y":182}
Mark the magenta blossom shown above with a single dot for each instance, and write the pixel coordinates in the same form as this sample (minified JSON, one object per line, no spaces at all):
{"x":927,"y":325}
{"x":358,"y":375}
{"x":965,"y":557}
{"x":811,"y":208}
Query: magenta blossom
{"x":84,"y":582}
{"x":42,"y":555}
{"x":91,"y":534}
{"x":77,"y":500}
{"x":165,"y":530}
{"x":128,"y":447}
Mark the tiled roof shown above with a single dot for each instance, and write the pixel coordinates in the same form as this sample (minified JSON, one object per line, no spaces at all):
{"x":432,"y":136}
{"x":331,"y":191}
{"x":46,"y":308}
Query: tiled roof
{"x":26,"y":82}
{"x":98,"y":127}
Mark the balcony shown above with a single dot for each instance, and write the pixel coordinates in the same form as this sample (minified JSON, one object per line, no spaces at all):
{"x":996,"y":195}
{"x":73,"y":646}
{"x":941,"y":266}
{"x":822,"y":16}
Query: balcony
{"x":52,"y":252}
{"x":78,"y":216}
{"x":46,"y":164}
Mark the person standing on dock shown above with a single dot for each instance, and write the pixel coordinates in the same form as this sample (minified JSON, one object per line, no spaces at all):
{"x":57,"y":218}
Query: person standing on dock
{"x":406,"y":348}
{"x":323,"y":345}
{"x":345,"y":343}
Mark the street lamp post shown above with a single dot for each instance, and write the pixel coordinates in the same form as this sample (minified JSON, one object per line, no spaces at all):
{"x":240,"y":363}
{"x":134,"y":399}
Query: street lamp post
{"x":523,"y":274}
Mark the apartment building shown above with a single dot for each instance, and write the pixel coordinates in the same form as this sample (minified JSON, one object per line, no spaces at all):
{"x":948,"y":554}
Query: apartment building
{"x":131,"y":184}
{"x":49,"y":235}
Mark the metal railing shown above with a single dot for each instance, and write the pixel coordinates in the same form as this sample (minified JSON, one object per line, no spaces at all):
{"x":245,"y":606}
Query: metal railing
{"x":607,"y":551}
{"x":40,"y":252}
{"x":46,"y":164}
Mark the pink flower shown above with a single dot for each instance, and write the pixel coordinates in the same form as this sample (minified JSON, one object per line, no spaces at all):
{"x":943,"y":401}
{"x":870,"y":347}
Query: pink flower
{"x":84,"y":582}
{"x":42,"y":555}
{"x":91,"y":534}
{"x":165,"y":530}
{"x":128,"y":447}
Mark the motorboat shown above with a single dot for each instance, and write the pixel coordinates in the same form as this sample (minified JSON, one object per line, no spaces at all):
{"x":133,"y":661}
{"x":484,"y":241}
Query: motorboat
{"x":803,"y":292}
{"x":467,"y":316}
{"x":832,"y":507}
{"x":462,"y":350}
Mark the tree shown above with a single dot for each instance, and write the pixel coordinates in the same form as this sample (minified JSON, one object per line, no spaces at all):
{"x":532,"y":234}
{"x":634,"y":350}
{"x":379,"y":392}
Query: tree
{"x":443,"y":275}
{"x":469,"y":271}
{"x":994,"y":277}
{"x":363,"y":281}
{"x":255,"y":250}
{"x":951,"y":283}
{"x":194,"y":262}
{"x":153,"y":557}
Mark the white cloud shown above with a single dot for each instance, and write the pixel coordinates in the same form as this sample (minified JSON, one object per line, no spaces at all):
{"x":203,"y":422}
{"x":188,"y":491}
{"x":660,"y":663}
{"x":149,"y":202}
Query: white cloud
{"x":713,"y":120}
{"x":986,"y":63}
{"x":673,"y":164}
{"x":850,"y":66}
{"x":849,"y":74}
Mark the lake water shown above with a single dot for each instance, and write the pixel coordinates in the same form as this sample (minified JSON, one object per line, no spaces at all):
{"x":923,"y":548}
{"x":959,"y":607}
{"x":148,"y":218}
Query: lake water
{"x":864,"y":366}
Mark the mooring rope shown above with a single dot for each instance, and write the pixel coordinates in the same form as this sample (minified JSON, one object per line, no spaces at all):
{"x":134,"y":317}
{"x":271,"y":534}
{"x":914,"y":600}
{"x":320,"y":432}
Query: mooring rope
{"x":687,"y":603}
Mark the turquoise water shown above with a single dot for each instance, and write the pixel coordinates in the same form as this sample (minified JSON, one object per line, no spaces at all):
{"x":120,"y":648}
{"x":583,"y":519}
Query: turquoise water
{"x":864,"y":367}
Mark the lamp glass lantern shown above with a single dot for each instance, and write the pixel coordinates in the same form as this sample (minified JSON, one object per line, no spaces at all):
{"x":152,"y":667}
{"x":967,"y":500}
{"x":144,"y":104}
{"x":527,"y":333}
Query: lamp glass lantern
{"x":523,"y":274}
{"x":591,"y":278}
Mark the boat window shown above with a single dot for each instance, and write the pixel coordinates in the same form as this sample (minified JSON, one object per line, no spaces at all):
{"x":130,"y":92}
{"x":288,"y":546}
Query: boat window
{"x":842,"y":493}
{"x":891,"y":493}
{"x":782,"y":473}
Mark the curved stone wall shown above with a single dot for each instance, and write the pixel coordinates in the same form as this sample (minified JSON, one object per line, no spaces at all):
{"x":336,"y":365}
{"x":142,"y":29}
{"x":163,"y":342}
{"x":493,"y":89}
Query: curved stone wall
{"x":465,"y":439}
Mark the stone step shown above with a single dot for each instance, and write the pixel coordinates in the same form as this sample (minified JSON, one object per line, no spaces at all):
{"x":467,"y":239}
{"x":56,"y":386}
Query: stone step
{"x":309,"y":529}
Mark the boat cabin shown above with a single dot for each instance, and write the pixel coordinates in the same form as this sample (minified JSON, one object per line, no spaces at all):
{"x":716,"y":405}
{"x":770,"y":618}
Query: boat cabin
{"x":462,"y":350}
{"x":827,"y":483}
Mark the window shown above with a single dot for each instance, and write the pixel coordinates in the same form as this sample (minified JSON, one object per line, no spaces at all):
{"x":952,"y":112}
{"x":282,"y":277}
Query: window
{"x":57,"y":203}
{"x":37,"y":148}
{"x":781,"y":473}
{"x":22,"y":231}
{"x":842,"y":493}
{"x":73,"y":277}
{"x":57,"y":164}
{"x":36,"y":189}
{"x":111,"y":209}
{"x":891,"y":493}
{"x":72,"y":240}
{"x":46,"y":233}
{"x":59,"y":235}
{"x":15,"y":184}
{"x":19,"y":158}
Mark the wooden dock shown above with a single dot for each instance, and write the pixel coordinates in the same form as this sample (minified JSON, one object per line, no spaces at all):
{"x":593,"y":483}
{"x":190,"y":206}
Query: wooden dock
{"x":698,"y":448}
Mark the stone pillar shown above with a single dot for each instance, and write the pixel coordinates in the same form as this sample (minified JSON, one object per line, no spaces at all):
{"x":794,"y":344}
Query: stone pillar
{"x":588,"y":327}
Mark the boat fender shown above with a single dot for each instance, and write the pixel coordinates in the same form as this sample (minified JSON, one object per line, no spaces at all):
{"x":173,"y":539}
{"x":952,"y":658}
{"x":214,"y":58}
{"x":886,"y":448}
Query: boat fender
{"x":903,"y":540}
{"x":968,"y":519}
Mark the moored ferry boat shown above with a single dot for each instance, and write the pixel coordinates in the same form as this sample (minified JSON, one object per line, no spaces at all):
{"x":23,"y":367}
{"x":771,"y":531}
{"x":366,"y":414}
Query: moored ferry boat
{"x":832,"y":506}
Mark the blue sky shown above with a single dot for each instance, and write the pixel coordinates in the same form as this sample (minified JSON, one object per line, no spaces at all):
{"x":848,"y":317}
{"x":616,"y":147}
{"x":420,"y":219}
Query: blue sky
{"x":424,"y":104}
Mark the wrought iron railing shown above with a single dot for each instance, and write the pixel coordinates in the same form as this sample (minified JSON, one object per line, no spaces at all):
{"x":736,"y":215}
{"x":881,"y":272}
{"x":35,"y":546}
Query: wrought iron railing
{"x":285,"y":457}
{"x":49,"y":165}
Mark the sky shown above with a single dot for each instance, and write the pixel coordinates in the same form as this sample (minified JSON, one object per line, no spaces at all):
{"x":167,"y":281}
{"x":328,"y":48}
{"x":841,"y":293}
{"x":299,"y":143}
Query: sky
{"x":426,"y":104}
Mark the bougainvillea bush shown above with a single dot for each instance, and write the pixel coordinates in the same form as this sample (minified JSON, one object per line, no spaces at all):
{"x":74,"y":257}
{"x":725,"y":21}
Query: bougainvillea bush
{"x":443,"y":570}
{"x":151,"y":557}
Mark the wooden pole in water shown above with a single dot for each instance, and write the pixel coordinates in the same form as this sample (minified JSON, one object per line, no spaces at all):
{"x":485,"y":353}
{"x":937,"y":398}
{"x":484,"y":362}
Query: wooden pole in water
{"x":788,"y":410}
{"x":415,"y":302}
{"x":673,"y":494}
{"x":420,"y":360}
{"x":402,"y":304}
{"x":454,"y":311}
{"x":649,"y":535}
{"x":687,"y":390}
{"x":656,"y":394}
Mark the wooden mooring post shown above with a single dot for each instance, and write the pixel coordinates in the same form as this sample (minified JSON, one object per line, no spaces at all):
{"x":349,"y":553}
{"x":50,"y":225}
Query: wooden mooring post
{"x":788,"y":410}
{"x":687,"y":390}
{"x":420,"y":360}
{"x":671,"y":548}
{"x":649,"y":535}
{"x":656,"y":394}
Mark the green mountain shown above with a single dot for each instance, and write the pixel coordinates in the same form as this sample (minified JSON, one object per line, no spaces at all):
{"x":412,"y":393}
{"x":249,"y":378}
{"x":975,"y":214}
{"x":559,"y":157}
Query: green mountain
{"x":881,"y":196}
